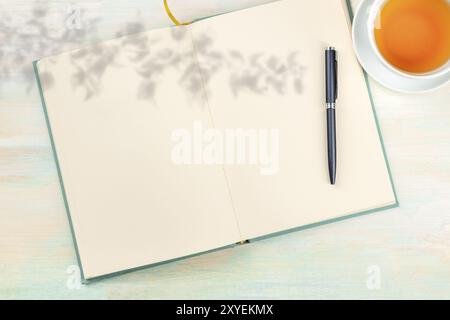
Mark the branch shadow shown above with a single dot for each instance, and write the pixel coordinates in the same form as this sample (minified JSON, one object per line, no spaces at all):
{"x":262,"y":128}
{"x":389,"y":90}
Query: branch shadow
{"x":152,"y":56}
{"x":27,"y":37}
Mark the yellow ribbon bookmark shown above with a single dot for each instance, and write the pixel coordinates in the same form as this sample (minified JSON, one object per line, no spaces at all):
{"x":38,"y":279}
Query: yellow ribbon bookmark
{"x":172,"y":17}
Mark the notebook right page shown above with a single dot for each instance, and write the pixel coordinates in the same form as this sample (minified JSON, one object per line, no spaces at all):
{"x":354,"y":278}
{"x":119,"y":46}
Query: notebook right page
{"x":263,"y":71}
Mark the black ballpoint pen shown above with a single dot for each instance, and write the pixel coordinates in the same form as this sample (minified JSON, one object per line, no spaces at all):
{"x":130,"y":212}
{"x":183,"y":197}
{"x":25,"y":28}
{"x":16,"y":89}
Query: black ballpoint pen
{"x":331,"y":96}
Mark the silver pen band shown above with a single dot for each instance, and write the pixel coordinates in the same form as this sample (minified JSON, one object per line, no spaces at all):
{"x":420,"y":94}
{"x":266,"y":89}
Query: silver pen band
{"x":331,"y":105}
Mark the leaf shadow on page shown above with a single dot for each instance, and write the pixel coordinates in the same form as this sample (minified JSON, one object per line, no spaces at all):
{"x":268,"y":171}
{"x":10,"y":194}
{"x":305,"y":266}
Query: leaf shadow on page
{"x":196,"y":61}
{"x":258,"y":72}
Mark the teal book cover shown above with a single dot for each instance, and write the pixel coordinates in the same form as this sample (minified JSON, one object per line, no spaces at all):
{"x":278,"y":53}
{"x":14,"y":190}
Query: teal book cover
{"x":185,"y":140}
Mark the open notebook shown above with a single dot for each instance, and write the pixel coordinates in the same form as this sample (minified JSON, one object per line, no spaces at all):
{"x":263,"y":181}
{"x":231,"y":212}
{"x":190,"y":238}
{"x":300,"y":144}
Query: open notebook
{"x":113,"y":108}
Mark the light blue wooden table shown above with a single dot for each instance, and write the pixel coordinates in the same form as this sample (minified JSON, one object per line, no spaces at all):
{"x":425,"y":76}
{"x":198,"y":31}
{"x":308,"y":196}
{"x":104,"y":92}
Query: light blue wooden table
{"x":399,"y":253}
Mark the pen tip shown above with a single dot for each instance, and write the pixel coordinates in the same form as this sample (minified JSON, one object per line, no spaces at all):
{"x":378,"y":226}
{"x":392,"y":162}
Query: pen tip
{"x":333,"y":180}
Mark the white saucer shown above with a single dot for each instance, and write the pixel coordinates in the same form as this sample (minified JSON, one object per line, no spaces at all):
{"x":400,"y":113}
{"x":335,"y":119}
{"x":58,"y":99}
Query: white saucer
{"x":375,"y":68}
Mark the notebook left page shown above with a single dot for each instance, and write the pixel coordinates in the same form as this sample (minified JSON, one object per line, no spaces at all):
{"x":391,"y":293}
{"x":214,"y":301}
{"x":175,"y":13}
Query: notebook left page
{"x":115,"y":112}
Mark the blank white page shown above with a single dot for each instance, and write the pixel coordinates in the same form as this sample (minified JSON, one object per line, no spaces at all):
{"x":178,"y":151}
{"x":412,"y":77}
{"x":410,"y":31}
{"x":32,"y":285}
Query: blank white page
{"x":113,"y":109}
{"x":264,"y":68}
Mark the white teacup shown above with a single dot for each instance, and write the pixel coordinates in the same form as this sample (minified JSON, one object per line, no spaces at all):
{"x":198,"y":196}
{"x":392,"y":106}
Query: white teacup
{"x":371,"y":24}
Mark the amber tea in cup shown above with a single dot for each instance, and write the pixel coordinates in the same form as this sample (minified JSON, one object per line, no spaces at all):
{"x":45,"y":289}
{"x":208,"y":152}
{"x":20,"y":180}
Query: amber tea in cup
{"x":414,"y":35}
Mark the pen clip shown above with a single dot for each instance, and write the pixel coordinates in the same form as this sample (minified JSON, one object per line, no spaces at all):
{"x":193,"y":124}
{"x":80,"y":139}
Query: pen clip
{"x":335,"y":78}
